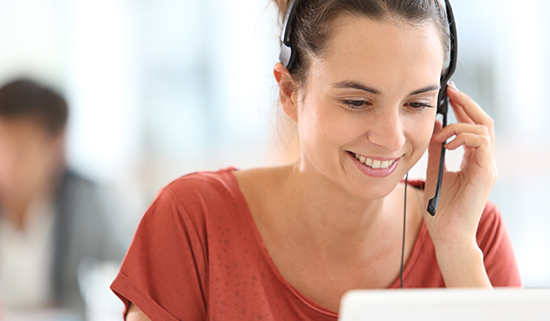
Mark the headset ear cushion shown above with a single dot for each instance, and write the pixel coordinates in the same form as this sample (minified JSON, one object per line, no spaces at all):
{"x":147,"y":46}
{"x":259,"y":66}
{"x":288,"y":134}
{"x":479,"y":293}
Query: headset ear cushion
{"x":286,"y":56}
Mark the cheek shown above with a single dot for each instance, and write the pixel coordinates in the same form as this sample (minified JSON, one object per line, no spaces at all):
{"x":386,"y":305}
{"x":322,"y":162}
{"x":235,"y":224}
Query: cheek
{"x":421,"y":133}
{"x":321,"y":128}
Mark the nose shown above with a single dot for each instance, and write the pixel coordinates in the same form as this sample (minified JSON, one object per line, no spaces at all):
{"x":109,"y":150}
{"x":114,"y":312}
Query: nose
{"x":387,"y":131}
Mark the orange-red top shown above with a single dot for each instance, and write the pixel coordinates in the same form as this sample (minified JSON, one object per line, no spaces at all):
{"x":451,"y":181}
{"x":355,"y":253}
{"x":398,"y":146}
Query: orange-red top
{"x":197,"y":255}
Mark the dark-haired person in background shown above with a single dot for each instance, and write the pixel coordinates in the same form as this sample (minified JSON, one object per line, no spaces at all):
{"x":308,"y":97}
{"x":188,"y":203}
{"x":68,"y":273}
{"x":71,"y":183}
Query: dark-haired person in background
{"x":50,"y":217}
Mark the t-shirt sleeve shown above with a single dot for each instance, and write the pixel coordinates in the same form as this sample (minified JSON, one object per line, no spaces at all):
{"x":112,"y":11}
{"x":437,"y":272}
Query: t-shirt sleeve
{"x":164,"y":270}
{"x":494,"y":241}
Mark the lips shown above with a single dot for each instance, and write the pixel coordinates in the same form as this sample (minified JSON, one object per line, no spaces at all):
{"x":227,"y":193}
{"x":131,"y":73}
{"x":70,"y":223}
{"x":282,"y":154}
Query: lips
{"x":373,"y":163}
{"x":374,"y":167}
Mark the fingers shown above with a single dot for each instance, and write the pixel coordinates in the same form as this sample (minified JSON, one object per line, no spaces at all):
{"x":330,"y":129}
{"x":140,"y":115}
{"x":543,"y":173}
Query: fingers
{"x":479,"y":150}
{"x":466,"y":110}
{"x":469,"y":140}
{"x":468,"y":135}
{"x":469,"y":112}
{"x":456,"y":129}
{"x":460,"y":114}
{"x":475,"y":139}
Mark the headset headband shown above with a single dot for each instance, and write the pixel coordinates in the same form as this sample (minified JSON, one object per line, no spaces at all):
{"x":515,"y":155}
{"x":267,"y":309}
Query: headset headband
{"x":287,"y":55}
{"x":441,"y":106}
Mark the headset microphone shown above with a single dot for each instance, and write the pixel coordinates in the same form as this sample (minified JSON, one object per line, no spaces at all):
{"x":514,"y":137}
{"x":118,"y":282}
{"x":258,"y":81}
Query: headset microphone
{"x":443,"y":104}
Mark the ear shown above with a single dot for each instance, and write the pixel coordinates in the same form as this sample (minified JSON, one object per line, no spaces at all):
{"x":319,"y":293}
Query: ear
{"x":288,"y":92}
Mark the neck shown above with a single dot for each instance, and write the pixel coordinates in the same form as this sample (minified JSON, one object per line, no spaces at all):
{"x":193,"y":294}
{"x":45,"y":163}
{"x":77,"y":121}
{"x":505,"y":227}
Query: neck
{"x":16,"y":208}
{"x":331,"y":217}
{"x":16,"y":212}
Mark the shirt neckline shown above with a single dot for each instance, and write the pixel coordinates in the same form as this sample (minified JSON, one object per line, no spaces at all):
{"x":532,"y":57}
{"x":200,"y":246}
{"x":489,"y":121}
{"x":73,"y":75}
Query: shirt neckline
{"x":417,"y":249}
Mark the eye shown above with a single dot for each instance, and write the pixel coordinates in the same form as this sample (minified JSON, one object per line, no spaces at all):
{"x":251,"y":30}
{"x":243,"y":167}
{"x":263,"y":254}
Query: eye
{"x":356,"y":104}
{"x":417,"y":105}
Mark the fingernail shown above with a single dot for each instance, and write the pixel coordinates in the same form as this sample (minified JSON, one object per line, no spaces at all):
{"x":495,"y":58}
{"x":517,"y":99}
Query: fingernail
{"x":453,"y":85}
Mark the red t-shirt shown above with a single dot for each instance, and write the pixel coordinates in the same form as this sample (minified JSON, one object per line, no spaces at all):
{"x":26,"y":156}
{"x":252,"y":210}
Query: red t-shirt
{"x":197,"y":255}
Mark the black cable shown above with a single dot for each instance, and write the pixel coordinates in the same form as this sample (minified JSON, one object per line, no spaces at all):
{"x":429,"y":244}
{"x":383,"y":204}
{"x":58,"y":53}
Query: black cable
{"x":404,"y":225}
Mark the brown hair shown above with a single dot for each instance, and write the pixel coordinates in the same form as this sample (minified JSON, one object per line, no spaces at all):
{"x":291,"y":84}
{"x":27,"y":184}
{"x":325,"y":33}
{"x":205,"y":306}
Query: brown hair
{"x":314,"y":18}
{"x":25,"y":98}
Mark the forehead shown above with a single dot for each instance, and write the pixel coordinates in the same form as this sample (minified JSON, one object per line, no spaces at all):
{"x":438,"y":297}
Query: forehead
{"x":21,"y":131}
{"x":396,"y":51}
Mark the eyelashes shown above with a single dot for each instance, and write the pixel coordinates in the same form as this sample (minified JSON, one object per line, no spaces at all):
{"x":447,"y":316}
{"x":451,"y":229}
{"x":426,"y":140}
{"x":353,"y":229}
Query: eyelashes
{"x":417,"y":105}
{"x":358,"y":105}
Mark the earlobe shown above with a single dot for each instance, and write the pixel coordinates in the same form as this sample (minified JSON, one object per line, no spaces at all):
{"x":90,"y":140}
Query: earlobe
{"x":287,"y":91}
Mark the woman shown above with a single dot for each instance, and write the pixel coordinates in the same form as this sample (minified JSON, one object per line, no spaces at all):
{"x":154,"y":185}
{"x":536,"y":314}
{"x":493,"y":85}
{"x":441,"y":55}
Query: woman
{"x":286,"y":243}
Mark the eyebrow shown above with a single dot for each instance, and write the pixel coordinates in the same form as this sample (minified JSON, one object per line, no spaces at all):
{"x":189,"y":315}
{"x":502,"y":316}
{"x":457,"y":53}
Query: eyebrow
{"x":425,"y":89}
{"x":357,"y":85}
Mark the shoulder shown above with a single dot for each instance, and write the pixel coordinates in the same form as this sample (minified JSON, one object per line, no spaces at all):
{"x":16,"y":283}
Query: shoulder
{"x":78,"y":196}
{"x":491,"y":228}
{"x":73,"y":182}
{"x":495,"y":243}
{"x":191,"y":207}
{"x":204,"y":185}
{"x":196,"y":198}
{"x":491,"y":214}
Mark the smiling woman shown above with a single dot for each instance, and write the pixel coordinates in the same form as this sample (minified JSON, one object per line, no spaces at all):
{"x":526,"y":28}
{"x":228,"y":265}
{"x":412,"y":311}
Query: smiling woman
{"x":359,"y":98}
{"x":287,"y":242}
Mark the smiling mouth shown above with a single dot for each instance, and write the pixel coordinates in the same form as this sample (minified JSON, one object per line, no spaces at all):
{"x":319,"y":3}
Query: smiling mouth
{"x":373,"y":163}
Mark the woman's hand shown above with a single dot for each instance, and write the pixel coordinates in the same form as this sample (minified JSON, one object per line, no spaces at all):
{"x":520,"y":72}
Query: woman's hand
{"x":463,"y":193}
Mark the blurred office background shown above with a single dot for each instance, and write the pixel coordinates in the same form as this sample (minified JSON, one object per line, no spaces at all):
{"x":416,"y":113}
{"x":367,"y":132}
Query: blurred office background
{"x":162,"y":88}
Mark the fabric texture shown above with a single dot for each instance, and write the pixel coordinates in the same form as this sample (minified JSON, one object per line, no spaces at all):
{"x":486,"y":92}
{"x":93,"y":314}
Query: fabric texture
{"x":197,"y":255}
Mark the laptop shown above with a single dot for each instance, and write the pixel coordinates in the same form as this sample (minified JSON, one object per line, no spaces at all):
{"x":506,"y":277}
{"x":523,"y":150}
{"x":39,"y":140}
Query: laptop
{"x":502,"y":304}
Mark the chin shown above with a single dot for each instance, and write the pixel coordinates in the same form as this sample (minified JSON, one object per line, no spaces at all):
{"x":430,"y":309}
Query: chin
{"x":370,"y":188}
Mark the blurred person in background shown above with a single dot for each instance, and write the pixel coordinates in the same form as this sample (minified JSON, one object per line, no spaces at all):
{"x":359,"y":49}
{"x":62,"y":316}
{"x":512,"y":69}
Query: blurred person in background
{"x":51,"y":218}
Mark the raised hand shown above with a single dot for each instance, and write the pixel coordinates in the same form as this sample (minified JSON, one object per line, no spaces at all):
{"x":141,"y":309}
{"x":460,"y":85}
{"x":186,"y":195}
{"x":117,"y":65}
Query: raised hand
{"x":464,"y":193}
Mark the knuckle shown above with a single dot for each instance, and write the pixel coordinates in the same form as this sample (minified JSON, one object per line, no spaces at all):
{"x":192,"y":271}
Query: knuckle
{"x":486,"y":140}
{"x":485,"y":130}
{"x":490,"y":122}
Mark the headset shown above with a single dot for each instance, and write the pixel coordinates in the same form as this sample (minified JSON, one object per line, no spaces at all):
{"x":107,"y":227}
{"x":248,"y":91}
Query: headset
{"x":287,"y":57}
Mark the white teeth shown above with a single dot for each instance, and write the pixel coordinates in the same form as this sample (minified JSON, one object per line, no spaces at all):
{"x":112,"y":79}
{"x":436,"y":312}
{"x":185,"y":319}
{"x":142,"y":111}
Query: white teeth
{"x":376,"y":164}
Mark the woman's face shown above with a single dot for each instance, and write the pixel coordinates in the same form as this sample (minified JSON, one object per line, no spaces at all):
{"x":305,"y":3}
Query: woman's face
{"x":373,"y":97}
